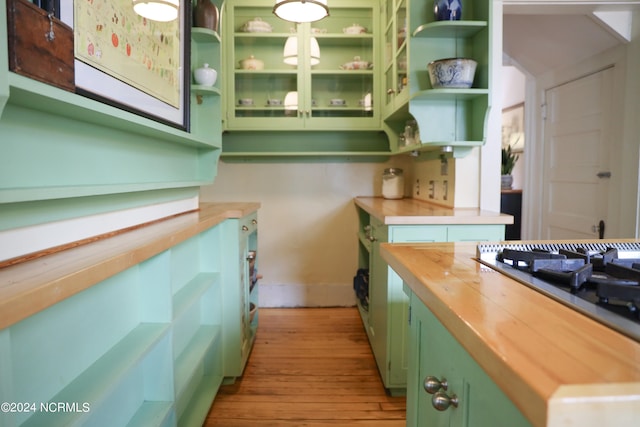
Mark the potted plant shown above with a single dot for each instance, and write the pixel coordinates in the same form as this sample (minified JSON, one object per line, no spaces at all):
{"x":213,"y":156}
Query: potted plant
{"x":508,"y":162}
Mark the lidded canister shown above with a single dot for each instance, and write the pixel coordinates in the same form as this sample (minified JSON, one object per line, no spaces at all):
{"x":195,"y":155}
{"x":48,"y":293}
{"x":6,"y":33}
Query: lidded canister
{"x":393,"y":183}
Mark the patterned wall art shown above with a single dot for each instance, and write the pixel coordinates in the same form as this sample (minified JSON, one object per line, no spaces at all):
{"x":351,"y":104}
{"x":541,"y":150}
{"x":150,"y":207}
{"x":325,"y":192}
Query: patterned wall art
{"x":513,"y":127}
{"x":129,"y":61}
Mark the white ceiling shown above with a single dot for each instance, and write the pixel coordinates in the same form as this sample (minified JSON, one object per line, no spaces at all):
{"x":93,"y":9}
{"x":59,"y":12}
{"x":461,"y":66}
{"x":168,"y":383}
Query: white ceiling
{"x":544,"y":37}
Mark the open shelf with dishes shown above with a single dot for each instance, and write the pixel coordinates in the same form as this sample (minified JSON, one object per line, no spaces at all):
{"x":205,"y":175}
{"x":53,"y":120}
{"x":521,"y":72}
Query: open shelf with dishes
{"x":455,"y":118}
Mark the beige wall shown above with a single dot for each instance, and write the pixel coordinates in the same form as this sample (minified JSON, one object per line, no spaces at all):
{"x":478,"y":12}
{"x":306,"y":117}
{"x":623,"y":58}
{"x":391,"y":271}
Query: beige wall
{"x":308,"y":250}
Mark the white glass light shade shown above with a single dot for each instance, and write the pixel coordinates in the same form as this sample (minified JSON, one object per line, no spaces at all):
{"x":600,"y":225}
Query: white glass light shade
{"x":157,"y":10}
{"x":301,"y":10}
{"x":291,"y":101}
{"x":314,"y":50}
{"x":290,"y":53}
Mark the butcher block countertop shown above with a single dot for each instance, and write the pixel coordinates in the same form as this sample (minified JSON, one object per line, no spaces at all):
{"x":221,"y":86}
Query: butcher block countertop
{"x":559,"y":367}
{"x":418,"y":212}
{"x":32,"y":286}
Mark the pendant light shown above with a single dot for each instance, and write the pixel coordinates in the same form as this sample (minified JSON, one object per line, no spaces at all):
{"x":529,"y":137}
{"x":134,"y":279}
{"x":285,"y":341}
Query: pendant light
{"x":301,"y":10}
{"x":291,"y":101}
{"x":290,"y":53}
{"x":157,"y":10}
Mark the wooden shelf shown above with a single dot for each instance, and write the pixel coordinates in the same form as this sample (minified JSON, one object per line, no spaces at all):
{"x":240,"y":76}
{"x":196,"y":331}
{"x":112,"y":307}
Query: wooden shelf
{"x":152,"y":414}
{"x":206,"y":35}
{"x":192,"y":356}
{"x":98,"y":382}
{"x":205,"y":90}
{"x":450,"y":29}
{"x":192,"y":291}
{"x":35,"y":95}
{"x":449,"y":94}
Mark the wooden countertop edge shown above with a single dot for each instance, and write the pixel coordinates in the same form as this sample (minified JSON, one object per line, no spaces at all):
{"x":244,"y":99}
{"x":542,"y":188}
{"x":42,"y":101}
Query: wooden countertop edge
{"x":603,"y":404}
{"x":535,"y":389}
{"x":404,"y":212}
{"x":33,"y":286}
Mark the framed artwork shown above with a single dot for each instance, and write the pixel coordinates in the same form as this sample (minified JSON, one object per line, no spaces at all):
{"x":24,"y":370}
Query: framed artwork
{"x":513,"y":127}
{"x":131,"y":62}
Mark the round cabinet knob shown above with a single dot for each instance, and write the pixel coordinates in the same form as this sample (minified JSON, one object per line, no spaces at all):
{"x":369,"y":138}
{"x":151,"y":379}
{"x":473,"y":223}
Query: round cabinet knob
{"x":433,"y":384}
{"x":254,"y":221}
{"x":441,"y":401}
{"x":245,"y":228}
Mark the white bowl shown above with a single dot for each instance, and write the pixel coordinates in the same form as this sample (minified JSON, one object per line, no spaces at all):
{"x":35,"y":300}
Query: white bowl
{"x":356,"y":64}
{"x":205,"y":76}
{"x":252,"y":63}
{"x":257,"y":25}
{"x":354,"y":29}
{"x":452,"y":73}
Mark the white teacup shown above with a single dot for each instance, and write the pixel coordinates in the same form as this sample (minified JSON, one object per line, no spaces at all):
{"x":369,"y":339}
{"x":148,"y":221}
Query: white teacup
{"x":274,"y":102}
{"x":337,"y":102}
{"x":245,"y":101}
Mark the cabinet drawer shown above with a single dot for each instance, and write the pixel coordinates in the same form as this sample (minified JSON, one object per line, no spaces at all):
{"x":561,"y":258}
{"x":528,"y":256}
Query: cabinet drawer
{"x":418,"y":233}
{"x":473,"y":233}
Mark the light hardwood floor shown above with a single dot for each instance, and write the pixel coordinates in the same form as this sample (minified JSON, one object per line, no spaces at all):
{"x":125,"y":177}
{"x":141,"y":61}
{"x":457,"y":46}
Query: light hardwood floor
{"x":309,"y":367}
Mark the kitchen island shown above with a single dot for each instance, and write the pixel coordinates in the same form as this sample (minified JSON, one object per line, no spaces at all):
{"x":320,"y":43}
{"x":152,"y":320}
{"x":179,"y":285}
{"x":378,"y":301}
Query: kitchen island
{"x":556,"y":366}
{"x":385,"y":309}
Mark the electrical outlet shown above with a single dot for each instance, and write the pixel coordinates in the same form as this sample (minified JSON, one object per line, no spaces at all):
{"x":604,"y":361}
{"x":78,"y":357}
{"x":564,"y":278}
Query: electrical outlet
{"x":432,"y":189}
{"x":444,"y":165}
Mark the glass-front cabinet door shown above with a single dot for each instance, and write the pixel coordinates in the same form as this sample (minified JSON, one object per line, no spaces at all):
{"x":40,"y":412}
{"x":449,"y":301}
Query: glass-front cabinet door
{"x":315,"y":76}
{"x":395,"y":54}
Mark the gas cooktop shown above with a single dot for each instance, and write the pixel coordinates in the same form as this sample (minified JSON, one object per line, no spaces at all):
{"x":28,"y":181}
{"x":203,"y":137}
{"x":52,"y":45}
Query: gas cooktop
{"x":600,"y":280}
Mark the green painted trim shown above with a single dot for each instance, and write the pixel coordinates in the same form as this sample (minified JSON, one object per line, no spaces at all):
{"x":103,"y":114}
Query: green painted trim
{"x":15,"y":215}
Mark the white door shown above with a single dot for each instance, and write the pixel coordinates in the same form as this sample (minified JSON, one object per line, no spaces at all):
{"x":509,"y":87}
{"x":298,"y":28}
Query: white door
{"x":576,"y":161}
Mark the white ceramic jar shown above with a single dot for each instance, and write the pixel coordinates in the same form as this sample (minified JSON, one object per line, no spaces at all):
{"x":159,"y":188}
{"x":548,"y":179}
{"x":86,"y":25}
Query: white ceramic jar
{"x":393,"y":183}
{"x":205,"y":76}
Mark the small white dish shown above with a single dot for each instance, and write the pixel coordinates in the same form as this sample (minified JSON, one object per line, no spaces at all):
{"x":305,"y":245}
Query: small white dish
{"x":354,"y":29}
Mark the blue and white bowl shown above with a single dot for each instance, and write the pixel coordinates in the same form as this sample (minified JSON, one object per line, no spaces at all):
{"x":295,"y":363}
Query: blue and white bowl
{"x":455,"y":73}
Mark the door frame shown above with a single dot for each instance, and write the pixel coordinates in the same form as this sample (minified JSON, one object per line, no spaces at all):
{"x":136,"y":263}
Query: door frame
{"x":626,"y":60}
{"x":623,"y":213}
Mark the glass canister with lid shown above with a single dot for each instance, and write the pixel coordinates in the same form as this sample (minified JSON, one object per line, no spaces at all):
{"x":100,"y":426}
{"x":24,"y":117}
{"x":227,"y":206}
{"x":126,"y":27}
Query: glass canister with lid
{"x":393,"y":183}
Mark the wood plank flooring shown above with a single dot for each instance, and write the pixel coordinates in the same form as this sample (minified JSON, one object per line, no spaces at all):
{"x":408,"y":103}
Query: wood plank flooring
{"x":309,"y":367}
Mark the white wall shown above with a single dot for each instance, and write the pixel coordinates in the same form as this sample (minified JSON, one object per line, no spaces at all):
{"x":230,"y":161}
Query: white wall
{"x":307,"y":225}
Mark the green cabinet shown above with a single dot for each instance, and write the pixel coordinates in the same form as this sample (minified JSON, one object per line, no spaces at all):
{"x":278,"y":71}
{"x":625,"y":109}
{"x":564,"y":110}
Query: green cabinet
{"x":276,"y":95}
{"x":396,"y":47}
{"x":147,"y":346}
{"x":240,"y":241}
{"x":443,"y":375}
{"x":385,"y":319}
{"x":334,"y":94}
{"x":446,"y":117}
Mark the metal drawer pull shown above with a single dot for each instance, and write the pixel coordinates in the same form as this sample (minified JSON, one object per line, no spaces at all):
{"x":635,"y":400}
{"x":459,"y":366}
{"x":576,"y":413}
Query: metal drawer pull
{"x":433,"y":384}
{"x":441,"y":401}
